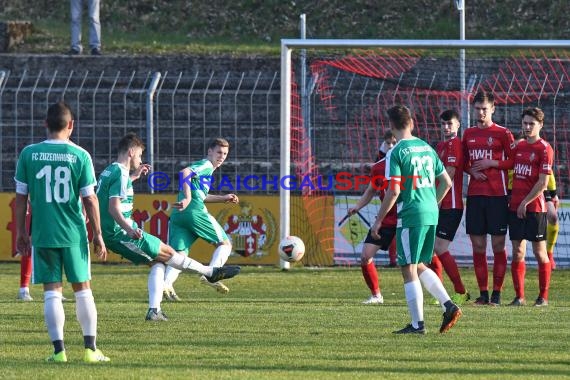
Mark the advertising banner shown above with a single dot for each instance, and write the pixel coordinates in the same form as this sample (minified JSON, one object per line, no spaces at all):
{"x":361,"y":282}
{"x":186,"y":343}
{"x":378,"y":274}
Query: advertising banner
{"x":349,"y":236}
{"x":251,"y":225}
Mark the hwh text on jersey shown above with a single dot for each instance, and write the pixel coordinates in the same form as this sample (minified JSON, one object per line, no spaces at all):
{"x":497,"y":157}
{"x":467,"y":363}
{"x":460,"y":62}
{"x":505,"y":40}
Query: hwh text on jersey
{"x":522,"y":169}
{"x":479,"y":154}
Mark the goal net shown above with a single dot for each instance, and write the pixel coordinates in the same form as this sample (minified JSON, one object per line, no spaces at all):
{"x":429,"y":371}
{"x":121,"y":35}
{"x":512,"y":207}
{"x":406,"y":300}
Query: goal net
{"x":334,"y":97}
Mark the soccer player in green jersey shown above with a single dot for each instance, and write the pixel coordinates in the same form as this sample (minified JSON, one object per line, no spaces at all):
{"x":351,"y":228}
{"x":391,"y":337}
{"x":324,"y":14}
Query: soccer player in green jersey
{"x":190,"y":218}
{"x":57,"y":176}
{"x":124,"y":237}
{"x":412,"y":166}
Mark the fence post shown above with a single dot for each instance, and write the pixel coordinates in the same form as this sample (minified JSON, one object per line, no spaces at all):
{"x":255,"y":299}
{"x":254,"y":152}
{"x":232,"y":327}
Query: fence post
{"x":150,"y":120}
{"x":2,"y":76}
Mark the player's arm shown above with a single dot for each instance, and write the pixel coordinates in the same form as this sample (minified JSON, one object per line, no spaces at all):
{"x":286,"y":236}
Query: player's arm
{"x":450,"y":171}
{"x":550,"y":194}
{"x":22,"y":237}
{"x":227,"y":198}
{"x":21,"y":206}
{"x":91,"y":204}
{"x":143,"y":169}
{"x":536,"y":190}
{"x":443,"y":185}
{"x":185,"y":175}
{"x":507,"y":163}
{"x":467,"y":164}
{"x":115,"y":212}
{"x":388,"y":202}
{"x":364,"y":199}
{"x":498,"y":164}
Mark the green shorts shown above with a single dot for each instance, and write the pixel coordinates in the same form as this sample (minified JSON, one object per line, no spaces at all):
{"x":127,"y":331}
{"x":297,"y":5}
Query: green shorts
{"x":141,"y":251}
{"x":50,"y":263}
{"x":186,"y":228}
{"x":415,"y":244}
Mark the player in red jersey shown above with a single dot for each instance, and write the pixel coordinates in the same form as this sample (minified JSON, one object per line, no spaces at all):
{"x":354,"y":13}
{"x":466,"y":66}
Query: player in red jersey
{"x":487,"y":206}
{"x":532,"y":165}
{"x":451,"y":208}
{"x":387,"y":231}
{"x":387,"y":144}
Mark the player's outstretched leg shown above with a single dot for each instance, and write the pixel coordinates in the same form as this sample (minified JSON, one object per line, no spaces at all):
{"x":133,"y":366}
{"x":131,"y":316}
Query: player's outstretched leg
{"x":218,"y":274}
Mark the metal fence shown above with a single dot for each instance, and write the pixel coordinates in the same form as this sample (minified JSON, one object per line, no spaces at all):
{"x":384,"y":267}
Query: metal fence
{"x":187,"y":110}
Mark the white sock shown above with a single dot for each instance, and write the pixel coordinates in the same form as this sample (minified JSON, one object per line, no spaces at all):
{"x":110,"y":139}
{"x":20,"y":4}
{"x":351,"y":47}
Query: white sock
{"x":170,"y":276}
{"x":155,"y":285}
{"x":433,"y":285}
{"x":86,"y":312}
{"x":415,"y":300}
{"x":180,"y":262}
{"x":24,"y":290}
{"x":220,"y":255}
{"x":54,"y":314}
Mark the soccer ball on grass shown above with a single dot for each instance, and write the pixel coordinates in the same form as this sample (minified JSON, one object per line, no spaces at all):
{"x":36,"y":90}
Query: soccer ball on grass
{"x":291,"y":249}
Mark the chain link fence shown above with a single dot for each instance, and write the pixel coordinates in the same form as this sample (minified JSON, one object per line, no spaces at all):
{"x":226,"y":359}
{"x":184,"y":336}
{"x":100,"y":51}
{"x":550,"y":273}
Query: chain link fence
{"x":188,"y":109}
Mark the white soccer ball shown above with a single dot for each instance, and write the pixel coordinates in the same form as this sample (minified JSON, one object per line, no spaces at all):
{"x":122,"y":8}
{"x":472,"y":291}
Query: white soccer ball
{"x":291,"y":249}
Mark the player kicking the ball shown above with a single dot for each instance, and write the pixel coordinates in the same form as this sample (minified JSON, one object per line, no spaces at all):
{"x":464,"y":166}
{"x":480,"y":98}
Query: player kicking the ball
{"x":191,"y":220}
{"x":122,"y":235}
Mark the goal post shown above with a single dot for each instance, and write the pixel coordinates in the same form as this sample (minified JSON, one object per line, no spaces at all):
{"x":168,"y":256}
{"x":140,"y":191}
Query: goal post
{"x":551,"y":73}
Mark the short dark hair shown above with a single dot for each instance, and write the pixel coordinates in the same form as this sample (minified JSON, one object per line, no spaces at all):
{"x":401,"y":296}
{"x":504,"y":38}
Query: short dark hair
{"x":58,"y":116}
{"x":130,"y":140}
{"x":400,"y":116}
{"x":219,"y":141}
{"x":484,"y":97}
{"x":534,"y":112}
{"x":448,"y":115}
{"x":388,"y":135}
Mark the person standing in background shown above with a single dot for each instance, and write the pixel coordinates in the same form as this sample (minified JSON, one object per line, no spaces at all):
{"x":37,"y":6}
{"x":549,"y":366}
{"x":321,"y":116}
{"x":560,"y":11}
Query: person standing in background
{"x":94,"y":26}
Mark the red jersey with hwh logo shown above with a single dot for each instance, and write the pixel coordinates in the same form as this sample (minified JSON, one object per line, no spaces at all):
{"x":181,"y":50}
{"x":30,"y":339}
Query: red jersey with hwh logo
{"x":378,"y":179}
{"x":493,"y":143}
{"x":530,"y":160}
{"x":450,"y":153}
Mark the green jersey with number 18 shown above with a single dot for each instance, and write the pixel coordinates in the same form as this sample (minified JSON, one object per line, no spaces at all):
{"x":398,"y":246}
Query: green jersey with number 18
{"x":415,"y":164}
{"x":56,"y":174}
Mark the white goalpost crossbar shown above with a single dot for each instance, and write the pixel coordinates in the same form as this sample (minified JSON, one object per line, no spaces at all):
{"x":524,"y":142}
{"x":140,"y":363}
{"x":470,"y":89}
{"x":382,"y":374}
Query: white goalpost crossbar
{"x":287,"y":46}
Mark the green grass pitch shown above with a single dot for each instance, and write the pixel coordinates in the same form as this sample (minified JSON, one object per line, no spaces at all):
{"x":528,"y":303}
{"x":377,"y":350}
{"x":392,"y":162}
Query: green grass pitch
{"x":301,"y":324}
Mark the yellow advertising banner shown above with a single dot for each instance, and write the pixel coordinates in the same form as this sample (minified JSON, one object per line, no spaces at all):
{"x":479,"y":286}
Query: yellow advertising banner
{"x":252,"y":226}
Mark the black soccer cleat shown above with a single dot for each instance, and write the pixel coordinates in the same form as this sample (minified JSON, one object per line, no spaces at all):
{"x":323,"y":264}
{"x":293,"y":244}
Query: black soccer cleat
{"x":222,"y":273}
{"x":155,"y":315}
{"x":409,"y":329}
{"x":450,"y":317}
{"x":495,"y":298}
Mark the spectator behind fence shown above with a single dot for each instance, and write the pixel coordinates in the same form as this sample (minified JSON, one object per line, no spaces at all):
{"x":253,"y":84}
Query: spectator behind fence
{"x":94,"y":26}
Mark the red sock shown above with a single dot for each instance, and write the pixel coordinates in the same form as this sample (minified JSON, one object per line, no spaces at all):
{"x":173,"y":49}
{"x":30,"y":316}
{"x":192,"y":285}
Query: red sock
{"x":551,"y":259}
{"x":544,"y":271}
{"x":499,"y":269}
{"x":25,"y":271}
{"x":436,"y":266}
{"x":518,"y":271}
{"x":392,"y":254}
{"x":481,"y":270}
{"x":452,"y":271}
{"x":371,"y":277}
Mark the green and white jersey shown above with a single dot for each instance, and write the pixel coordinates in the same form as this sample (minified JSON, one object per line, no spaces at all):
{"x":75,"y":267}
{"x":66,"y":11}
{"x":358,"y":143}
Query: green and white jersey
{"x":55,"y":174}
{"x":416,"y":165}
{"x":115,"y":181}
{"x":200,"y":184}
